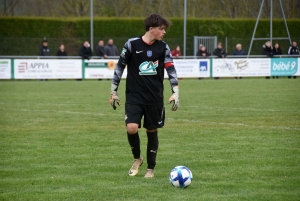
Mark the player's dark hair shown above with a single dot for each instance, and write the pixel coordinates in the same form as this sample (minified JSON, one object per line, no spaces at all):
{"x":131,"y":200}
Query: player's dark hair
{"x":156,"y":20}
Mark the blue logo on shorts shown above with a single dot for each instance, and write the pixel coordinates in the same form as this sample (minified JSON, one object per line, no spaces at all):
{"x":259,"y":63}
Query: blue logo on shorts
{"x":203,"y":66}
{"x":149,"y":53}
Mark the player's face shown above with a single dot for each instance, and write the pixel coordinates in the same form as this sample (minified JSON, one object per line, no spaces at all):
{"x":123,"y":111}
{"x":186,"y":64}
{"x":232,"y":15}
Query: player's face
{"x":158,"y":32}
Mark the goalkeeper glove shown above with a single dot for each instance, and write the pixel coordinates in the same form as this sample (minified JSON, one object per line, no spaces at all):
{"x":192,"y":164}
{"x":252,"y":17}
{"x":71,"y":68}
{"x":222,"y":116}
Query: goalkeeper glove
{"x":175,"y":98}
{"x":114,"y":97}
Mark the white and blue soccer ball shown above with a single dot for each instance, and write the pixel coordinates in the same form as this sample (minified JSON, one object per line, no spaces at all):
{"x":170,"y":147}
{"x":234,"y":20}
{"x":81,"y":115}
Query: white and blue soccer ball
{"x":181,"y":177}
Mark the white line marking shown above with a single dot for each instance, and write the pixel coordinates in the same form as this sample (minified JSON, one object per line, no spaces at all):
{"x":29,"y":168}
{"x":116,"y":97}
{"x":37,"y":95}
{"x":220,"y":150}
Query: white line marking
{"x":62,"y":111}
{"x":234,"y":124}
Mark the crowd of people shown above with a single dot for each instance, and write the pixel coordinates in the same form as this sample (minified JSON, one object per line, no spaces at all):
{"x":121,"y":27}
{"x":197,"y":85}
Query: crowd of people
{"x":85,"y":50}
{"x":110,"y":49}
{"x":104,"y":51}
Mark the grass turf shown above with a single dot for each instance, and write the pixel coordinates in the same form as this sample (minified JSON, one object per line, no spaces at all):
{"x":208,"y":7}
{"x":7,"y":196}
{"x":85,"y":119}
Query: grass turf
{"x":60,"y":140}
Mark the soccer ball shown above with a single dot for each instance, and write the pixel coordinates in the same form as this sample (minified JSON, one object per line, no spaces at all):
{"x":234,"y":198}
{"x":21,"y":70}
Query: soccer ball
{"x":181,"y":176}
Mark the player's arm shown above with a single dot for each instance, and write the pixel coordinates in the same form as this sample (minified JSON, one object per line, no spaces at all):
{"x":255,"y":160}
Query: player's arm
{"x":118,"y":72}
{"x":171,"y":71}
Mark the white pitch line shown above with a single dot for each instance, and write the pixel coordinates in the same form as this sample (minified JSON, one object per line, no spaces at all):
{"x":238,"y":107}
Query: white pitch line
{"x":63,"y":111}
{"x":235,"y":124}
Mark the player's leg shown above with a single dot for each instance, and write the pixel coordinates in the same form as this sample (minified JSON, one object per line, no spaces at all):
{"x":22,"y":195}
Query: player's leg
{"x":154,"y":118}
{"x":152,"y":147}
{"x":133,"y":116}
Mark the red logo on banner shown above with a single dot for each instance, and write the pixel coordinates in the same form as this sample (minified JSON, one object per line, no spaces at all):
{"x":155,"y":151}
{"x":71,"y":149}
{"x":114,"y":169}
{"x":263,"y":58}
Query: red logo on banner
{"x":23,"y":66}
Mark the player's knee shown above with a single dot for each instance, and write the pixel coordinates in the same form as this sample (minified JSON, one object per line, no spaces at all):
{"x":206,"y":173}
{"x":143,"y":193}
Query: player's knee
{"x":132,"y":128}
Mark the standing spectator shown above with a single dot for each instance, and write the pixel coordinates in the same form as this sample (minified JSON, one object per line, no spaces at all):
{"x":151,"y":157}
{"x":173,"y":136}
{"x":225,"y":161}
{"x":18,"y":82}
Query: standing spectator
{"x":111,"y":49}
{"x":61,"y":51}
{"x":293,"y":50}
{"x":202,"y":52}
{"x":44,"y":50}
{"x":219,"y":51}
{"x":277,"y":50}
{"x":238,"y":50}
{"x":86,"y":51}
{"x":176,"y":52}
{"x":267,"y":49}
{"x":100,"y":49}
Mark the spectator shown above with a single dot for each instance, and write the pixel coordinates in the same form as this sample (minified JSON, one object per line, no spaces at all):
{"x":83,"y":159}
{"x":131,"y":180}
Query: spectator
{"x":202,"y":52}
{"x":238,"y":50}
{"x":267,"y":49}
{"x":277,"y":50}
{"x":176,"y":51}
{"x":44,"y":50}
{"x":86,"y":51}
{"x":100,"y":49}
{"x":219,"y":51}
{"x":293,"y":49}
{"x":61,"y":51}
{"x":111,"y":49}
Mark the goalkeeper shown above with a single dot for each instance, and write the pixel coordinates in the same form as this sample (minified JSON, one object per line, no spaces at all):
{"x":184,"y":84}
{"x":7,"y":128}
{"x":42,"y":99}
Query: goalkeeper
{"x":146,"y":58}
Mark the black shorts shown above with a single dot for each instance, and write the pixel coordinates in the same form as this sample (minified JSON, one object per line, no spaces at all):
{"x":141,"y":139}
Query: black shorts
{"x":154,"y":115}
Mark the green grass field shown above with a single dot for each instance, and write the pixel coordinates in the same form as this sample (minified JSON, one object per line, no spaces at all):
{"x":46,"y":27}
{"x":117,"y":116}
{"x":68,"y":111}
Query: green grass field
{"x":60,"y":140}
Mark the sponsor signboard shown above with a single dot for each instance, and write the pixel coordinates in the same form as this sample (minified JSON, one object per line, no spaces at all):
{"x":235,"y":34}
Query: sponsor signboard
{"x":192,"y":67}
{"x":284,"y":66}
{"x":243,"y":67}
{"x":5,"y":69}
{"x":47,"y":68}
{"x":99,"y":69}
{"x":184,"y":67}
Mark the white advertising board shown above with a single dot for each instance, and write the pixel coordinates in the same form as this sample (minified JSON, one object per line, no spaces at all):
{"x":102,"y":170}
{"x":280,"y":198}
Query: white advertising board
{"x":5,"y":69}
{"x":192,"y":67}
{"x":104,"y":69}
{"x":242,"y":67}
{"x":100,"y":69}
{"x":47,"y":68}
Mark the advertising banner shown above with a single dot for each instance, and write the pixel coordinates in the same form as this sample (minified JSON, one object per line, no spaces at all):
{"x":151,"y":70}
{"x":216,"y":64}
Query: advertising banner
{"x":243,"y":67}
{"x":47,"y":68}
{"x":5,"y":69}
{"x":99,"y":69}
{"x":285,"y":66}
{"x":192,"y":67}
{"x":185,"y":68}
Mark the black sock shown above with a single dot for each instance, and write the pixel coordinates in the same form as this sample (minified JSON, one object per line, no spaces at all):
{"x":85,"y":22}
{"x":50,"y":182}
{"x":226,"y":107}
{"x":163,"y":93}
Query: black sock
{"x":134,"y":142}
{"x":152,"y":147}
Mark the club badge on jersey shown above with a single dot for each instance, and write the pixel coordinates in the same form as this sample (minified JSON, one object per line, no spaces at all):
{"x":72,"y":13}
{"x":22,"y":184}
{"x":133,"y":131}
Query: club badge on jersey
{"x":149,"y":53}
{"x":148,"y":68}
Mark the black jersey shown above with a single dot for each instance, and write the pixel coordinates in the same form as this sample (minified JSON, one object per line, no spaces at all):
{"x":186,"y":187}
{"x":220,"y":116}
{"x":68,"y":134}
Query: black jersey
{"x":145,"y":71}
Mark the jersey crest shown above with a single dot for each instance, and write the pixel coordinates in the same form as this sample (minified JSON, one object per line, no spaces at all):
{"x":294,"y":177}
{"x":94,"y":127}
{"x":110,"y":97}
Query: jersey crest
{"x":148,"y":68}
{"x":149,"y":53}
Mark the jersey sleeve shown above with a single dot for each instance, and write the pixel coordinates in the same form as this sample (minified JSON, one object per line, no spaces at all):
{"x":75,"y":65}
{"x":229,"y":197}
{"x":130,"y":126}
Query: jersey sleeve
{"x":169,"y":66}
{"x":123,"y":61}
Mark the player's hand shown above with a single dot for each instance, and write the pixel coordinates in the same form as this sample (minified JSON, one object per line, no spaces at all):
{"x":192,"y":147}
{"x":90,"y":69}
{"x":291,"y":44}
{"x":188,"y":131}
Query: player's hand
{"x":113,"y":99}
{"x":175,"y":98}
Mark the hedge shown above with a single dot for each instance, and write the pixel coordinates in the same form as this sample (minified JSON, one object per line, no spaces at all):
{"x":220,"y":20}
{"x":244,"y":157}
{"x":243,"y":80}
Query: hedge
{"x":78,"y":29}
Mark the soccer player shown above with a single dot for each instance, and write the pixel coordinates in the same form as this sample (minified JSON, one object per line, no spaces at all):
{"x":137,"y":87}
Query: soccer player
{"x":146,"y":58}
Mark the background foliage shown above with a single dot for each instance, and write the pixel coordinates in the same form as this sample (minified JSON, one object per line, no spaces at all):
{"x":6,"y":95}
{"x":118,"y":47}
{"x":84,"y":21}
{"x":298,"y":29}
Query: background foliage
{"x":23,"y":35}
